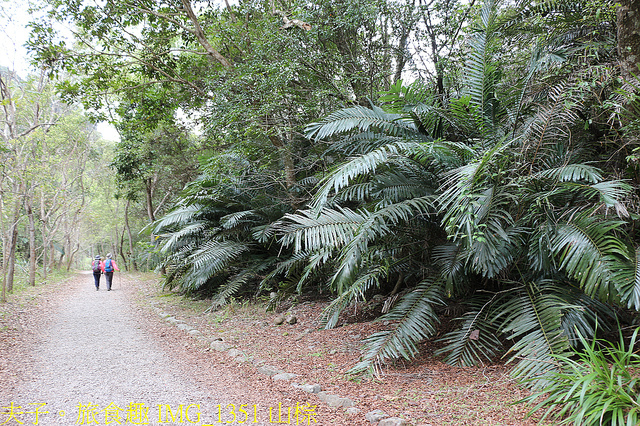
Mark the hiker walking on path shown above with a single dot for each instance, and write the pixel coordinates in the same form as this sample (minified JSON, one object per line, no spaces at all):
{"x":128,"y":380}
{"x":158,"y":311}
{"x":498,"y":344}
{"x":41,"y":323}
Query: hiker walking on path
{"x":109,"y":267}
{"x":98,"y":268}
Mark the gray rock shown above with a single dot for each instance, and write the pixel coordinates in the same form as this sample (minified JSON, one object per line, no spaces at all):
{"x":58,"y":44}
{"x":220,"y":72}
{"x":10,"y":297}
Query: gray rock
{"x":292,"y":320}
{"x":241,"y":359}
{"x":393,"y":421}
{"x":315,"y":388}
{"x":352,"y":411}
{"x":233,"y":353}
{"x":375,"y":416}
{"x":284,"y":376}
{"x":335,"y":400}
{"x":279,"y":320}
{"x":183,"y":326}
{"x":269,"y":370}
{"x":220,"y":346}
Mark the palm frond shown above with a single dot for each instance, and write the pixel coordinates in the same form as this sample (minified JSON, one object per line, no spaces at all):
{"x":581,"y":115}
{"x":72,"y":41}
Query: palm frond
{"x":532,"y":319}
{"x":211,"y":258}
{"x":352,"y":145}
{"x":583,"y":314}
{"x":609,"y":194}
{"x":179,"y":216}
{"x":375,"y":224}
{"x":229,"y":288}
{"x":171,"y":241}
{"x":309,"y":230}
{"x":572,"y":173}
{"x":414,"y":320}
{"x":367,"y":280}
{"x":236,"y":218}
{"x":450,"y":259}
{"x":475,"y":341}
{"x":482,"y":73}
{"x":626,"y":279}
{"x":347,"y":172}
{"x":361,"y":119}
{"x":588,"y":251}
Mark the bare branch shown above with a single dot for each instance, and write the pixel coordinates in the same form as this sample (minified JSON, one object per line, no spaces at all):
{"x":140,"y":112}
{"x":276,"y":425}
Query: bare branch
{"x":200,"y":35}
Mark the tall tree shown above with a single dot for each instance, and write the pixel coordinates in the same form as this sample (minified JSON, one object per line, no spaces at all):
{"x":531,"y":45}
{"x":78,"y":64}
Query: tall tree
{"x":628,"y":34}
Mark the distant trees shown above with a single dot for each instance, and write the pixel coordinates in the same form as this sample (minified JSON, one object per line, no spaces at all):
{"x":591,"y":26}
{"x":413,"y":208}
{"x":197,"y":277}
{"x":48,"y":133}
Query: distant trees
{"x":45,"y":149}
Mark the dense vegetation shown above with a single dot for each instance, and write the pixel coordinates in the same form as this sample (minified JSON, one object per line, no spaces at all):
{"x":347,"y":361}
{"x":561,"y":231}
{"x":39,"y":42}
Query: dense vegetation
{"x":476,"y":159}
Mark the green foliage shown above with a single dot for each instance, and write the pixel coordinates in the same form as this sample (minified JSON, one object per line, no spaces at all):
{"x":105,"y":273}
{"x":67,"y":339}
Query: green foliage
{"x":511,"y":210}
{"x":414,"y":319}
{"x":501,"y":187}
{"x":213,"y":241}
{"x":598,"y":384}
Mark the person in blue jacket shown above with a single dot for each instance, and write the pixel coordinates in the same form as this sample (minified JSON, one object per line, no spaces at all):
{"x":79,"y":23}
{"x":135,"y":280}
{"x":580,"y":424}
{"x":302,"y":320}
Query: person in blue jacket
{"x":109,"y":267}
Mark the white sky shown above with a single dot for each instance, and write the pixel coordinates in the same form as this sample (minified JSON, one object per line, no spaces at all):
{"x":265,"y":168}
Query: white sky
{"x":14,"y":34}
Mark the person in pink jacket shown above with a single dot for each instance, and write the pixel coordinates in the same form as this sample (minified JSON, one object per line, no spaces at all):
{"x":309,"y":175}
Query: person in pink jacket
{"x":109,"y":265}
{"x":97,"y":266}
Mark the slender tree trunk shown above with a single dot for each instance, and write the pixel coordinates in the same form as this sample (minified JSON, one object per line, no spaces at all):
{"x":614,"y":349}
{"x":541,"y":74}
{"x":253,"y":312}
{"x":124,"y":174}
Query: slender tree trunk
{"x":125,"y":260}
{"x":52,"y":255}
{"x":32,"y":239}
{"x":126,"y":224}
{"x":287,"y":160}
{"x":628,"y":28}
{"x":72,"y":254}
{"x":13,"y":242}
{"x":3,"y":267}
{"x":148,"y":185}
{"x":202,"y":38}
{"x":44,"y":256}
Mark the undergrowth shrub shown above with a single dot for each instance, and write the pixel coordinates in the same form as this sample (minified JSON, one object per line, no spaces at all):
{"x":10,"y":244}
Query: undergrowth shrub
{"x":599,"y":386}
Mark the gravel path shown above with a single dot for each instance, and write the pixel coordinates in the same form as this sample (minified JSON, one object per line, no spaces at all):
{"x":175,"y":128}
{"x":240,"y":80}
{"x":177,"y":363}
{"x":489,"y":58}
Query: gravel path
{"x":95,"y":364}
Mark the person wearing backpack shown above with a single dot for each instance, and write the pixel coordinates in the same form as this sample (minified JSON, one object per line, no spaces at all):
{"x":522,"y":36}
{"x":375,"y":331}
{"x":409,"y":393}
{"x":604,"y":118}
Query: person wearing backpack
{"x":98,"y":268}
{"x":109,"y":267}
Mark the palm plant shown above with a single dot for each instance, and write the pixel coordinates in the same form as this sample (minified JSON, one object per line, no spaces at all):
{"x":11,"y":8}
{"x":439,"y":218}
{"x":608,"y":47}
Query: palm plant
{"x":215,"y":241}
{"x":512,"y":219}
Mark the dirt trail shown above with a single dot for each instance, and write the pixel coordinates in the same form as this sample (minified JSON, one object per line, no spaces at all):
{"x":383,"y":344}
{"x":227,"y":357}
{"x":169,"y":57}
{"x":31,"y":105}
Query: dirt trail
{"x":95,"y":364}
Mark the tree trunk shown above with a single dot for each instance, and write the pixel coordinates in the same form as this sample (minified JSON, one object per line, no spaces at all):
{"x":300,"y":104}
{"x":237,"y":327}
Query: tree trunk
{"x":628,"y":26}
{"x":44,"y":256}
{"x":72,"y":254}
{"x":32,"y":239}
{"x":13,"y":242}
{"x":287,"y":160}
{"x":126,"y":224}
{"x":125,"y":260}
{"x":3,"y":266}
{"x":148,"y":185}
